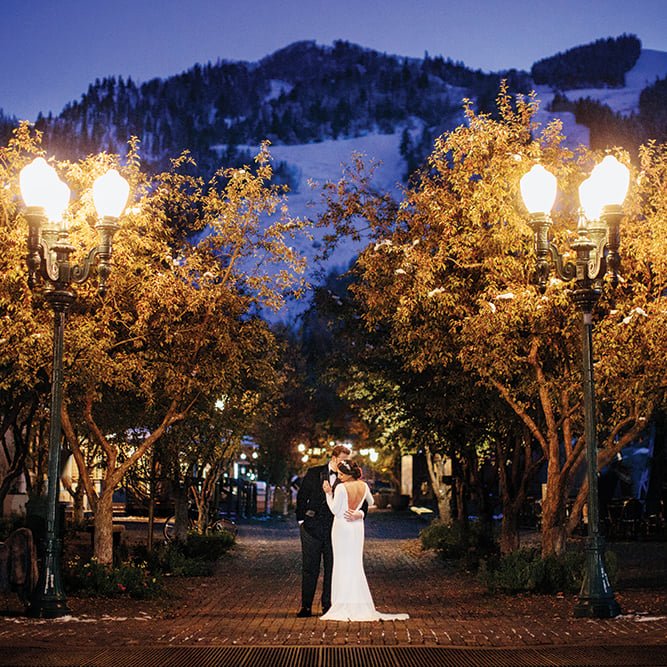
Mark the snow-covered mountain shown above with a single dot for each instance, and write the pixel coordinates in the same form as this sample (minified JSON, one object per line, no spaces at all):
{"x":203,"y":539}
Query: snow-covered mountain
{"x":321,"y":162}
{"x":320,"y":104}
{"x":650,"y":66}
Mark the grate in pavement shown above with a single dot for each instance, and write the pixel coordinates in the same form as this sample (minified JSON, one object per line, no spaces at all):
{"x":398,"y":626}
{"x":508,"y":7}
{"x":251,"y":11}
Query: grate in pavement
{"x":331,"y":656}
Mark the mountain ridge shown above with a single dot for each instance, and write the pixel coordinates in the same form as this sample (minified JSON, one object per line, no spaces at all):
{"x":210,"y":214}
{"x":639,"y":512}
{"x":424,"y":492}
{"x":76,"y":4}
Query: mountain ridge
{"x":340,"y":91}
{"x":354,"y":100}
{"x":307,"y":93}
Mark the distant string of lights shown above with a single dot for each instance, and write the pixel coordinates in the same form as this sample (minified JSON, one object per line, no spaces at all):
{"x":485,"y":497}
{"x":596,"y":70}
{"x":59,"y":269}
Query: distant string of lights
{"x":309,"y":452}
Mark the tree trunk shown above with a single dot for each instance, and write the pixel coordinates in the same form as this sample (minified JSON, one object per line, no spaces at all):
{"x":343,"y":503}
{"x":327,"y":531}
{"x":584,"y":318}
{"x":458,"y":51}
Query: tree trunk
{"x":553,"y":540}
{"x":484,"y":503}
{"x":461,"y":503}
{"x":151,"y":522}
{"x":77,"y":504}
{"x":442,"y":490}
{"x":445,"y":504}
{"x":15,"y":466}
{"x":181,"y":513}
{"x":103,"y":539}
{"x":205,"y":498}
{"x":151,"y":503}
{"x":515,"y":471}
{"x":509,"y":529}
{"x":202,"y":516}
{"x":554,"y":533}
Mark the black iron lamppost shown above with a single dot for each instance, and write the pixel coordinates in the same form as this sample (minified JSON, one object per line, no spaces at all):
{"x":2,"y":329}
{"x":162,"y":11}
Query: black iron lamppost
{"x":596,"y":248}
{"x":46,"y":198}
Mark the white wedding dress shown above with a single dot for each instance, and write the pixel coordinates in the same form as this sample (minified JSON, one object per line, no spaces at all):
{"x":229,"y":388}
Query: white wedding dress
{"x":351,"y":598}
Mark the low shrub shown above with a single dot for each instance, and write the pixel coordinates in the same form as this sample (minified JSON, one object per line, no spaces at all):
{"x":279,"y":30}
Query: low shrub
{"x":172,"y":561}
{"x":134,"y":580}
{"x":141,"y":575}
{"x":193,"y":558}
{"x":458,"y":541}
{"x":208,"y":547}
{"x":525,"y":571}
{"x":449,"y":540}
{"x":177,"y":564}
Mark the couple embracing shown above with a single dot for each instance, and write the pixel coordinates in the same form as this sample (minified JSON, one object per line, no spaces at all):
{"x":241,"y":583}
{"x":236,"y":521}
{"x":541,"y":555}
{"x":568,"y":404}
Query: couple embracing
{"x":331,"y":505}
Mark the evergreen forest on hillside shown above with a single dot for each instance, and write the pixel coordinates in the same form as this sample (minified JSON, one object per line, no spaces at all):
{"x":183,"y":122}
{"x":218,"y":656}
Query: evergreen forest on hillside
{"x":308,"y":93}
{"x":599,"y":65}
{"x":301,"y":94}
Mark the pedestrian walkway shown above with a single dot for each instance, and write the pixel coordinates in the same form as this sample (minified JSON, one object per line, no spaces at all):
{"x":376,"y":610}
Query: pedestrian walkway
{"x":245,"y":614}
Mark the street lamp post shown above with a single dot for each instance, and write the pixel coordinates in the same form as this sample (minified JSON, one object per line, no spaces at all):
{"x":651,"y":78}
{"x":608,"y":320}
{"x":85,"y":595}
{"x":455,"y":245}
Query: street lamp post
{"x":49,"y":250}
{"x":596,"y":248}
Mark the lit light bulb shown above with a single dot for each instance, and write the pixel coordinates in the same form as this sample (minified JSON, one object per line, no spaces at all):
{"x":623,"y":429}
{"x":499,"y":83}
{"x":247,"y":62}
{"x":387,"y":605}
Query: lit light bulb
{"x":40,"y":186}
{"x":538,"y":189}
{"x":110,"y":193}
{"x":606,"y":186}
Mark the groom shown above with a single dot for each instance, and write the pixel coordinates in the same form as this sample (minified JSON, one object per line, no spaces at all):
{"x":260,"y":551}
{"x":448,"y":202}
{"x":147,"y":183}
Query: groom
{"x":315,"y":520}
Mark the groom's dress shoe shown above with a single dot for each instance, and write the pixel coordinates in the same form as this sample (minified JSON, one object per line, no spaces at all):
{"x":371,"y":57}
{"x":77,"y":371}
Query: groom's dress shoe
{"x":325,"y":609}
{"x":304,"y":612}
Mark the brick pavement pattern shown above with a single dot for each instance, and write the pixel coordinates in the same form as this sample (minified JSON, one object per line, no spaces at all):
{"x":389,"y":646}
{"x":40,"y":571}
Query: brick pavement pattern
{"x":253,"y":598}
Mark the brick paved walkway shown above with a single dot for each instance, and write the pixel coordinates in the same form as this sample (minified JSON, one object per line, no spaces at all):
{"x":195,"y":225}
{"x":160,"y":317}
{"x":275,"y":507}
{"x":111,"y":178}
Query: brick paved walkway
{"x":252,"y":600}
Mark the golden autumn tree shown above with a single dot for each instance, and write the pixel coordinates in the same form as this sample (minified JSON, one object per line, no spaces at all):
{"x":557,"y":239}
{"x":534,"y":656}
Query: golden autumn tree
{"x":25,"y":333}
{"x":449,"y":281}
{"x":180,"y":316}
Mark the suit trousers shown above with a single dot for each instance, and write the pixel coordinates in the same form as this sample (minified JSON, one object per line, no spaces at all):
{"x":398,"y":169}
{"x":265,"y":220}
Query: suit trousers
{"x":316,"y":549}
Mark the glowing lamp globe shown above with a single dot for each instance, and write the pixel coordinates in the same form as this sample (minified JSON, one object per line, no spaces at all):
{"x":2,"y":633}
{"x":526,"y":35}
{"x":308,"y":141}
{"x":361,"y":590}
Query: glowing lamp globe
{"x":616,"y":179}
{"x":58,"y":200}
{"x":591,"y":198}
{"x":40,"y":186}
{"x":31,"y":178}
{"x":606,"y":186}
{"x":538,"y":190}
{"x":110,"y":193}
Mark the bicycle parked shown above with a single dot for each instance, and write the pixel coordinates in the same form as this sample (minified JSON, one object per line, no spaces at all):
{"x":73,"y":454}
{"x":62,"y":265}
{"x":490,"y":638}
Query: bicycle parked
{"x":217,"y":523}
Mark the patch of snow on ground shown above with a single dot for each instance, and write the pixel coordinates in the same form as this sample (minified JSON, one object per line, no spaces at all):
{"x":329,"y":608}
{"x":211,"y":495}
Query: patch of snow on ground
{"x":277,"y":89}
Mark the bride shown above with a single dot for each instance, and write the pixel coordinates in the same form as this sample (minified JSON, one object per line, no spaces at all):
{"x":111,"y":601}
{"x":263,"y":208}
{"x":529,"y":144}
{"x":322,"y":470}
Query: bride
{"x":351,"y":598}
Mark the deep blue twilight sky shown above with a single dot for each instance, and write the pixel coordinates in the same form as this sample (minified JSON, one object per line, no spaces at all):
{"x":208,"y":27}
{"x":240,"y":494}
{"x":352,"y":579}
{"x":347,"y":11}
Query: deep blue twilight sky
{"x":52,"y":50}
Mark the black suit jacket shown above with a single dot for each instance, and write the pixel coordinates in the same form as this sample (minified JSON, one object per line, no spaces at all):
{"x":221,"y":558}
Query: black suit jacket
{"x":311,"y":502}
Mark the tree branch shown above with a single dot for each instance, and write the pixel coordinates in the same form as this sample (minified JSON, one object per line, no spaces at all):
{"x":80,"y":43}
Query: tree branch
{"x":521,"y":413}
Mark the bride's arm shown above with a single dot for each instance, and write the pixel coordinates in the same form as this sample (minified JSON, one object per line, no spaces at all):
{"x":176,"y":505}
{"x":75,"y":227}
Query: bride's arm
{"x":337,"y":499}
{"x":369,"y":497}
{"x":328,"y":494}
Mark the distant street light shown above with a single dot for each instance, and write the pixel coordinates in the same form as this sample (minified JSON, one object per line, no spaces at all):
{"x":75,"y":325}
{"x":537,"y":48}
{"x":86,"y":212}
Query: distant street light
{"x":46,"y":198}
{"x":596,"y":247}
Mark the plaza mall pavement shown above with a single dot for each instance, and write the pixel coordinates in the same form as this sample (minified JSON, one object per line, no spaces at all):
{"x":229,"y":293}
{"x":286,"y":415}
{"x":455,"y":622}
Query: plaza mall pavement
{"x":245,"y":615}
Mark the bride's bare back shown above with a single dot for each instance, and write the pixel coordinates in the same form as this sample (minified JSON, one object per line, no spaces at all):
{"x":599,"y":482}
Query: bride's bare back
{"x":356,"y":490}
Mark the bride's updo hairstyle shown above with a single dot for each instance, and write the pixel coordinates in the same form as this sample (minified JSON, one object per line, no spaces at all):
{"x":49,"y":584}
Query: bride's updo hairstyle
{"x":350,"y":468}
